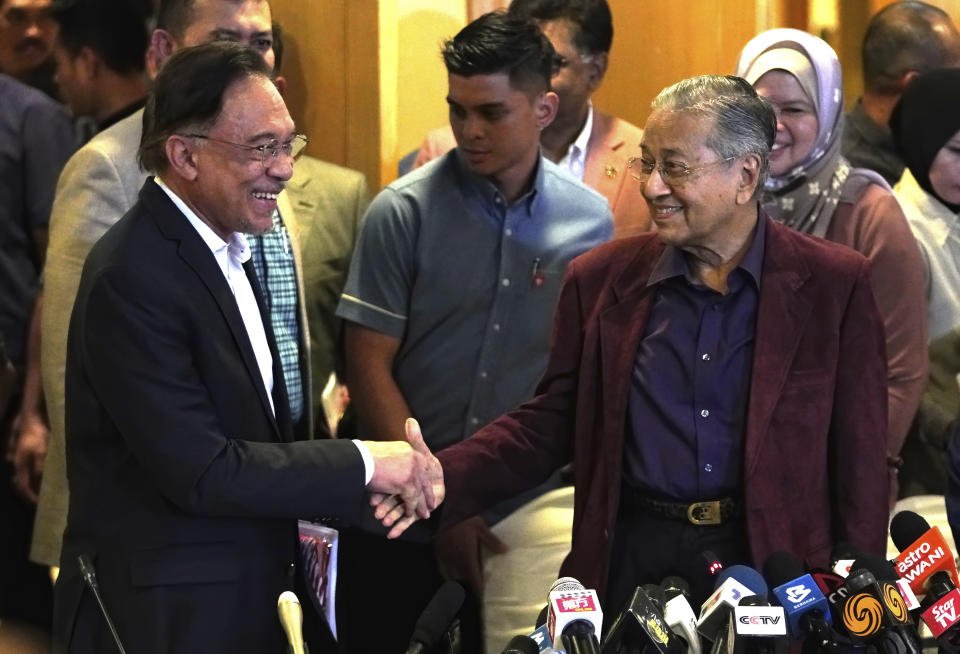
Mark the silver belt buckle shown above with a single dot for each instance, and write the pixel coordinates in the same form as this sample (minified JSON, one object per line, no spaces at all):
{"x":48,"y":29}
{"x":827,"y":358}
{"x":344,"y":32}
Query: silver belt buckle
{"x":704,"y":513}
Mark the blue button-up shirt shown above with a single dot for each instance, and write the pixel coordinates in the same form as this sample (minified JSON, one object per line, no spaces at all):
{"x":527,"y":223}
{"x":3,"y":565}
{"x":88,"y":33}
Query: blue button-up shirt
{"x":687,"y":403}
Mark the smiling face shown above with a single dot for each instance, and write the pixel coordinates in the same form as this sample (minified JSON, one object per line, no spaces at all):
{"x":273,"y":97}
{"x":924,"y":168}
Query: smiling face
{"x":231,"y":190}
{"x":945,"y":171}
{"x":796,"y":120}
{"x":699,"y":213}
{"x":497,"y":127}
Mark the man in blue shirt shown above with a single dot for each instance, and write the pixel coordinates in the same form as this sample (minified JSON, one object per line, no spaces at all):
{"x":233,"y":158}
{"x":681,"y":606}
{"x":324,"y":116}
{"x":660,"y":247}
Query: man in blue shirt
{"x":452,"y":289}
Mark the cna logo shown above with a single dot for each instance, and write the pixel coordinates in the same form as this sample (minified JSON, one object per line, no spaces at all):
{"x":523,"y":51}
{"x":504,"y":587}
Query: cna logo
{"x":798,"y":593}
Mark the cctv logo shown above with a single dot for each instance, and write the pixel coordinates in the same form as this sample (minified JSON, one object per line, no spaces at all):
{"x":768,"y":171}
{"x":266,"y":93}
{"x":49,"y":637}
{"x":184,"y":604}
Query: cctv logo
{"x":798,"y":593}
{"x":760,"y":619}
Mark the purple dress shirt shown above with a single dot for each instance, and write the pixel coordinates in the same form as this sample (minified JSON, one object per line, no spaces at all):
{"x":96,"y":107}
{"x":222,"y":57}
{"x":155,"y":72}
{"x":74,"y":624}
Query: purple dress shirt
{"x":687,"y":404}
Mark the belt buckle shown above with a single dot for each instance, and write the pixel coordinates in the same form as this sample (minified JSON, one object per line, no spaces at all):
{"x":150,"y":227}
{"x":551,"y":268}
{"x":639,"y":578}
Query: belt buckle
{"x":704,"y":513}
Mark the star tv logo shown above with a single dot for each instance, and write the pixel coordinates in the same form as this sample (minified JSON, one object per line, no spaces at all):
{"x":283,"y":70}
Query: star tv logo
{"x":797,"y":594}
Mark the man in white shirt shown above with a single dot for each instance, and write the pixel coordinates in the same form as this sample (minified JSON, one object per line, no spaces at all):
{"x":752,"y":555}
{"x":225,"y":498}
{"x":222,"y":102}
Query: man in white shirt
{"x":185,"y":477}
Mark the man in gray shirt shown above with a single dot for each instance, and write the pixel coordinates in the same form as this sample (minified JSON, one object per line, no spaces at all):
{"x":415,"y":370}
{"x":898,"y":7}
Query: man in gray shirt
{"x":452,"y":289}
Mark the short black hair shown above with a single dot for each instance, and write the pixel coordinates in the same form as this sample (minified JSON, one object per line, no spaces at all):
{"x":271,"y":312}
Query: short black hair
{"x":188,"y":94}
{"x":497,"y":42}
{"x":592,"y":19}
{"x":174,"y":16}
{"x":116,"y":30}
{"x":902,"y":37}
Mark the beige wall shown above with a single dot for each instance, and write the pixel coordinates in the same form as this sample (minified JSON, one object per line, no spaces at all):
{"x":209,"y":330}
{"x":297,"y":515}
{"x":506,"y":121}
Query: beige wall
{"x":366,"y":81}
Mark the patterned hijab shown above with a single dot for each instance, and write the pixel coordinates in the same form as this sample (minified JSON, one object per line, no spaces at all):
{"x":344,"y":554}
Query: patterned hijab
{"x":925,"y":118}
{"x":806,"y":196}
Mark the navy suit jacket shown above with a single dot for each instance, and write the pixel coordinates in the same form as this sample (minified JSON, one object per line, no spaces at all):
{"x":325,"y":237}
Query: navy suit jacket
{"x":184,"y":488}
{"x":815,"y":465}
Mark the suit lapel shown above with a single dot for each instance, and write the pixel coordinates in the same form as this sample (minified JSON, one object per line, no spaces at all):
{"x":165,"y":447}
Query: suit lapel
{"x":782,"y":315}
{"x":621,"y":328}
{"x":198,"y":257}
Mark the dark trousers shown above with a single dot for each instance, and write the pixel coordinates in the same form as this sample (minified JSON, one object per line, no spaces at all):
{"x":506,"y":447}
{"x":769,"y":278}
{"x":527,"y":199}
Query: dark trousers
{"x":382,"y":588}
{"x":647,"y":548}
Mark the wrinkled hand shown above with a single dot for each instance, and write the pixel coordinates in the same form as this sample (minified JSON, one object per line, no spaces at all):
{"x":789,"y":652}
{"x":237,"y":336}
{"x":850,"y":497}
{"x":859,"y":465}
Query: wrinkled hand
{"x":27,"y":451}
{"x":411,"y":485}
{"x":460,"y":551}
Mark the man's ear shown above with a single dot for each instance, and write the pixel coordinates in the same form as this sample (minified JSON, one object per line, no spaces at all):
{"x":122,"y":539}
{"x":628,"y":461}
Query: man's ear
{"x":546,"y":108}
{"x":88,"y":65}
{"x":162,"y":45}
{"x":182,"y":157}
{"x":597,"y":67}
{"x":281,"y":83}
{"x":749,"y":177}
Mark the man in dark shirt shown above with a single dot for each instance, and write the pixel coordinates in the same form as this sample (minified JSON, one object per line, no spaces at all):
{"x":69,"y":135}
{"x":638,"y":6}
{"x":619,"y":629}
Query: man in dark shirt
{"x":902,"y":40}
{"x":719,"y":385}
{"x":26,"y":41}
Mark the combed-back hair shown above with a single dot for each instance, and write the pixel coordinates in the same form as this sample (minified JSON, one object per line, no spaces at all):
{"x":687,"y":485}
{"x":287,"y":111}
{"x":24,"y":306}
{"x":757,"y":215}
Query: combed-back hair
{"x":174,"y":16}
{"x":500,"y":43}
{"x":592,"y":19}
{"x":743,"y":121}
{"x":904,"y":37}
{"x":188,"y":94}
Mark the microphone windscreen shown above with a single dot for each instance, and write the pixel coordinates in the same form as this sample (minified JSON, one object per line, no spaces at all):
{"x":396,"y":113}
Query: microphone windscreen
{"x":753,"y":600}
{"x":438,"y":614}
{"x":882,"y":569}
{"x":906,"y":527}
{"x":782,"y":567}
{"x":521,"y":645}
{"x":673,"y":586}
{"x":566,"y":583}
{"x":746,"y":576}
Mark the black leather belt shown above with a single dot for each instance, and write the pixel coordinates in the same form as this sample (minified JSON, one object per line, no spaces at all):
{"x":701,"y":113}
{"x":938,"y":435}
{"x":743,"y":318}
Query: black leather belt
{"x":707,"y":512}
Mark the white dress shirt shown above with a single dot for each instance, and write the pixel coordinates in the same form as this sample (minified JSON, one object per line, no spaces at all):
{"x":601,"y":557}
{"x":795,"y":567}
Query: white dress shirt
{"x":575,"y":160}
{"x":231,"y":257}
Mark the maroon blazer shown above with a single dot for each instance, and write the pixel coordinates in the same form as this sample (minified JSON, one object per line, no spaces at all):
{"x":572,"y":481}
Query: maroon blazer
{"x":815,"y":443}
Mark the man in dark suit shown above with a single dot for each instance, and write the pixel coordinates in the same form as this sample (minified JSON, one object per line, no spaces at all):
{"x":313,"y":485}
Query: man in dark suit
{"x":185,"y":479}
{"x":719,"y":385}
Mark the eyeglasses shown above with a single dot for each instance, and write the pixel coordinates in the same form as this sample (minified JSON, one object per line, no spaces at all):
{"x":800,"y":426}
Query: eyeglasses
{"x":672,"y":172}
{"x":268,"y":152}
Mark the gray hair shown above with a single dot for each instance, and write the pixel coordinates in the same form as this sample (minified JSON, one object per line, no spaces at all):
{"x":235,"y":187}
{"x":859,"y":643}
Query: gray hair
{"x":743,"y":122}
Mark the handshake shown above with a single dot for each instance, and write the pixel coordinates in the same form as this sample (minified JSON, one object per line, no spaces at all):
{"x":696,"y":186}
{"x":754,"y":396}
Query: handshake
{"x":407,"y":482}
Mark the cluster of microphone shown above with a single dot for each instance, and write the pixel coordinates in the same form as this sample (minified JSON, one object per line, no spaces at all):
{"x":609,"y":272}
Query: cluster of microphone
{"x":861,"y":604}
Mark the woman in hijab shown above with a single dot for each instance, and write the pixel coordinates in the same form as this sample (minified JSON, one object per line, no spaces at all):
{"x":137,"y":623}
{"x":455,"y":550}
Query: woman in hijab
{"x":813,"y":189}
{"x":926,"y":130}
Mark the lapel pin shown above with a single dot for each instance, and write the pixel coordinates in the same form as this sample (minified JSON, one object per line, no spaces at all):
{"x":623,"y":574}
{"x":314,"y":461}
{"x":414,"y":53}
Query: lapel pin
{"x":610,"y":172}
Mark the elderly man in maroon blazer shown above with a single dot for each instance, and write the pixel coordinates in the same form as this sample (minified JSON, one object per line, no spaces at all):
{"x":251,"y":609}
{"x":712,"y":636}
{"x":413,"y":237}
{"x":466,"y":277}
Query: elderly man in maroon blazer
{"x":719,"y":385}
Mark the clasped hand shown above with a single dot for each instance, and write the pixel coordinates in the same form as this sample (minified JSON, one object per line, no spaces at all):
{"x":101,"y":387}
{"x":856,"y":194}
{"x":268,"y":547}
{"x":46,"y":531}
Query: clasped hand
{"x":407,"y":481}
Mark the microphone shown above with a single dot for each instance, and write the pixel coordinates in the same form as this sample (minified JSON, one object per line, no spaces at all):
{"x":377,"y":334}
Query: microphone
{"x":806,"y":608}
{"x":755,"y":627}
{"x":923,"y":550}
{"x":541,"y":634}
{"x":436,"y":618}
{"x":942,"y":613}
{"x":732,"y":584}
{"x":574,"y":619}
{"x":875,"y":612}
{"x":521,"y":645}
{"x":291,"y":619}
{"x":678,"y":614}
{"x":89,"y":574}
{"x":842,"y":557}
{"x":640,"y":627}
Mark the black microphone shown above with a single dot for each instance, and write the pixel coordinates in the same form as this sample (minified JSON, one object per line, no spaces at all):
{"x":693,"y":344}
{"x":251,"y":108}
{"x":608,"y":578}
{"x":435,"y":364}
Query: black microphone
{"x":89,"y":575}
{"x":874,"y":610}
{"x":677,"y":612}
{"x":641,"y":628}
{"x":754,"y":627}
{"x":521,"y":645}
{"x":436,"y":618}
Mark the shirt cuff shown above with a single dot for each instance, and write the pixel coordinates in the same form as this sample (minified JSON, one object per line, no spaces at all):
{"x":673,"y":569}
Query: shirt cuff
{"x":367,"y":461}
